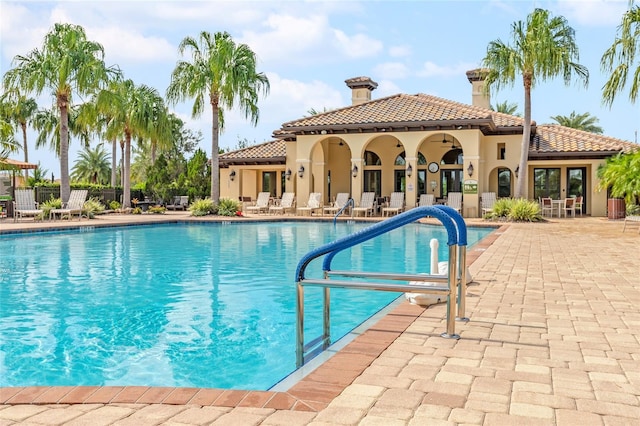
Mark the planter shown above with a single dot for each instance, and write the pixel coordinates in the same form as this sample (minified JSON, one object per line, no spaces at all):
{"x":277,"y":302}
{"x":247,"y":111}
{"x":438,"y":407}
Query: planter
{"x":615,"y":208}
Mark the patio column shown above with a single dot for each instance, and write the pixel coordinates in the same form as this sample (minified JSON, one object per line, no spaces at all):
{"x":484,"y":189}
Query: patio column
{"x":357,"y":172}
{"x":411,"y":182}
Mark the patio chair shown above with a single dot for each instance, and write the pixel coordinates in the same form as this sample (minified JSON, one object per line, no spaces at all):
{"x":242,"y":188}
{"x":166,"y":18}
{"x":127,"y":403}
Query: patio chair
{"x":342,"y":198}
{"x":631,"y":219}
{"x":454,"y":200}
{"x":286,"y":204}
{"x":579,"y":203}
{"x":261,"y":205}
{"x":569,"y":207}
{"x":314,"y":204}
{"x":25,"y":204}
{"x":77,"y":197}
{"x":366,"y":204}
{"x":396,"y":204}
{"x":487,"y":201}
{"x":426,"y":200}
{"x":546,"y":205}
{"x":180,"y":202}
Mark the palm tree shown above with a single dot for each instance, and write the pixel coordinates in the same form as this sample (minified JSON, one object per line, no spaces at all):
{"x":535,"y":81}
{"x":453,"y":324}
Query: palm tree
{"x":7,"y":142}
{"x":67,"y":64}
{"x":92,"y":166}
{"x":20,"y":110}
{"x":223,"y":73}
{"x":620,"y":59}
{"x":585,"y":122}
{"x":47,"y":123}
{"x":131,"y":109}
{"x":506,"y":107}
{"x":620,"y":174}
{"x":542,"y":48}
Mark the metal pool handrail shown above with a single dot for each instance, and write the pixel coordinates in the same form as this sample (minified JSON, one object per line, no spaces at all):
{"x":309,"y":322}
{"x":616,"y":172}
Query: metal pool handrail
{"x":349,"y":202}
{"x":455,"y":227}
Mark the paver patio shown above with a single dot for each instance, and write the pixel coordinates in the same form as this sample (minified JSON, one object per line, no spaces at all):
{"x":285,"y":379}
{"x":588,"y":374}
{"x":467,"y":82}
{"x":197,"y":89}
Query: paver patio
{"x":554,"y":339}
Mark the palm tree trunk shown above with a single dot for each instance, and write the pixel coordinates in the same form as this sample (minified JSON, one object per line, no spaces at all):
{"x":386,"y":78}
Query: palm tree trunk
{"x":65,"y":189}
{"x":126,"y":190}
{"x":521,"y":184}
{"x":114,"y":153}
{"x":215,"y":164}
{"x":25,"y":149}
{"x":154,"y":148}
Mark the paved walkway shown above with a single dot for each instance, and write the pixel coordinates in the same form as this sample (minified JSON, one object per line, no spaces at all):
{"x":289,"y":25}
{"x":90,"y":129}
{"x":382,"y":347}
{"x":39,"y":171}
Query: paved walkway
{"x":554,"y":339}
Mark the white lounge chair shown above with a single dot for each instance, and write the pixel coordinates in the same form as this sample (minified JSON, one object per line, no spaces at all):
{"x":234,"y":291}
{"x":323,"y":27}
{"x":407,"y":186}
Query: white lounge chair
{"x":180,"y":202}
{"x":488,"y":199}
{"x":396,"y":204}
{"x":25,"y":204}
{"x":366,"y":204}
{"x":286,"y":204}
{"x":342,"y":198}
{"x":314,"y":204}
{"x":426,"y":200}
{"x":454,"y":200}
{"x":73,"y":206}
{"x":261,"y":205}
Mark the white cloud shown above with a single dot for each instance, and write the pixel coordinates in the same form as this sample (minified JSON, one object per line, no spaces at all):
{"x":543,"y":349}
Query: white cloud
{"x":592,"y":12}
{"x":130,"y":46}
{"x":391,"y":70}
{"x":357,"y":46}
{"x":386,"y":88}
{"x":400,"y":51}
{"x":431,"y":69}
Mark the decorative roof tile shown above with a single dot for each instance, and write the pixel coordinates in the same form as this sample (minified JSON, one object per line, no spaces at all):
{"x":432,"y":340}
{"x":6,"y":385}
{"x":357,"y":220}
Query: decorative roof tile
{"x":272,"y":152}
{"x":554,"y":138}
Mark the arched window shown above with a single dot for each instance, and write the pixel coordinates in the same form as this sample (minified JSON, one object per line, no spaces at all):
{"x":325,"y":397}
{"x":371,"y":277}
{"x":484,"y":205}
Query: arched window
{"x":371,"y":159}
{"x":400,"y":161}
{"x":422,"y":160}
{"x":453,"y":157}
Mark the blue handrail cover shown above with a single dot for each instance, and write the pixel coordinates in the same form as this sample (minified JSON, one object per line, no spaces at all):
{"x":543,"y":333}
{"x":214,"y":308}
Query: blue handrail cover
{"x":460,"y":223}
{"x":379,"y":228}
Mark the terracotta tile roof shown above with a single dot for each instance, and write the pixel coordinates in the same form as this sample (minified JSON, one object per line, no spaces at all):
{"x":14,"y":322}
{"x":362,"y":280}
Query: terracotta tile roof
{"x":272,"y":152}
{"x":554,"y":138}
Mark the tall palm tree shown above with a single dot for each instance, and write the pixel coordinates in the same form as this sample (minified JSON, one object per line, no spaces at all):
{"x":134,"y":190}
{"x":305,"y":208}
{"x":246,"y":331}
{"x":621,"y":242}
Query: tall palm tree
{"x":506,"y":107}
{"x":47,"y":123}
{"x":20,"y":110}
{"x":68,"y":65}
{"x":8,"y":143}
{"x":620,"y":59}
{"x":131,"y":109}
{"x":224,"y":73}
{"x":586,"y":122}
{"x":542,"y":48}
{"x":92,"y":166}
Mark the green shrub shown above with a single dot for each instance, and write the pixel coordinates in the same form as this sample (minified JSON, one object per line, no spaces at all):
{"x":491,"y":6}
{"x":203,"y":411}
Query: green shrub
{"x":203,"y":207}
{"x":47,"y":206}
{"x":114,"y":205}
{"x":518,"y":210}
{"x":92,"y":207}
{"x":228,"y":207}
{"x":136,"y":210}
{"x":157,"y":209}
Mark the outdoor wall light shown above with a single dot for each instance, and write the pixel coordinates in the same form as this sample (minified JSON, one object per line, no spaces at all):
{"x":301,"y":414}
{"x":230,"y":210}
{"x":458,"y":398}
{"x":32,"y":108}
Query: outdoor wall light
{"x":354,"y":171}
{"x":470,"y":169}
{"x":517,"y":170}
{"x":287,"y":174}
{"x":301,"y":171}
{"x":434,"y":185}
{"x":232,"y":175}
{"x":409,"y":170}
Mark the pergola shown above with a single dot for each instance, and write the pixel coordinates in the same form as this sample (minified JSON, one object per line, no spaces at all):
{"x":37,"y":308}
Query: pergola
{"x":13,"y":165}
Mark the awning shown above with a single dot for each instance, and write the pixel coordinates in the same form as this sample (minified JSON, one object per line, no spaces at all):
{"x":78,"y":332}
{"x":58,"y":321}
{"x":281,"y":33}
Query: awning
{"x":9,"y":164}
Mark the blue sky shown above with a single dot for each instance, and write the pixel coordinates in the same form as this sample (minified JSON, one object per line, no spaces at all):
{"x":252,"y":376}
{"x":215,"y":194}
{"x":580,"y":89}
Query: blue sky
{"x":307,"y":49}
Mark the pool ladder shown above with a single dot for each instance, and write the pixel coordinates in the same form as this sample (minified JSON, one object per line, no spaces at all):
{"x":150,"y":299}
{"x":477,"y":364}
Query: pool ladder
{"x":456,"y":240}
{"x":349,"y":202}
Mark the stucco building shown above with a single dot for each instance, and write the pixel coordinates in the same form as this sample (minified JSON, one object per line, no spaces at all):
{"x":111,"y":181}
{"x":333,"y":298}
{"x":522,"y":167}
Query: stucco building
{"x":420,"y":144}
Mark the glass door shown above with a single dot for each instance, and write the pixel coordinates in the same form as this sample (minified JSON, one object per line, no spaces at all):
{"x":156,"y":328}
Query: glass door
{"x":451,"y":181}
{"x":576,"y":184}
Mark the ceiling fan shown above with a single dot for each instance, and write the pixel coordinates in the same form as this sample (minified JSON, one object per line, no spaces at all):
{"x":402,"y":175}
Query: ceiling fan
{"x":445,"y":141}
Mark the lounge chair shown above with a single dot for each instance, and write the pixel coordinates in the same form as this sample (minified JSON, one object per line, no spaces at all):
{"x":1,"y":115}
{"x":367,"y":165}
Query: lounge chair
{"x":261,"y":205}
{"x":286,"y":204}
{"x":488,"y":199}
{"x":366,"y":204}
{"x":426,"y":200}
{"x":454,"y":200}
{"x":342,"y":198}
{"x":180,"y":202}
{"x":77,"y":197}
{"x":314,"y":204}
{"x":25,"y":204}
{"x":396,"y":204}
{"x":631,"y":219}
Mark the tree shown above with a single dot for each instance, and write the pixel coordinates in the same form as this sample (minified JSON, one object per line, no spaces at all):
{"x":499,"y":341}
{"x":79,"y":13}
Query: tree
{"x":92,"y":166}
{"x":47,"y":123}
{"x":20,"y":110}
{"x":67,"y":64}
{"x":7,"y":142}
{"x":506,"y":107}
{"x":620,"y":58}
{"x":542,"y":48}
{"x":585,"y":122}
{"x":620,"y":174}
{"x":224,"y":73}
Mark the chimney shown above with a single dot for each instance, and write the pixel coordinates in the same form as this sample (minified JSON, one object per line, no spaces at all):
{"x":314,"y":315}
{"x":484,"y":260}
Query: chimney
{"x":361,"y":88}
{"x":478,"y":96}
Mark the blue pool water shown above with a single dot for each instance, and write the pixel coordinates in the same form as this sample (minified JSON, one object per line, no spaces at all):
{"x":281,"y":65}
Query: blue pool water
{"x":193,"y":305}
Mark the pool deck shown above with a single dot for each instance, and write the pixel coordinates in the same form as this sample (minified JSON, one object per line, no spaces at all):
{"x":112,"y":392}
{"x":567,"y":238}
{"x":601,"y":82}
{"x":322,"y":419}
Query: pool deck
{"x":554,"y":339}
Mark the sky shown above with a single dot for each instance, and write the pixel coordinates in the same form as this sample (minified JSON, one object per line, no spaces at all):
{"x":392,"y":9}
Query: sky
{"x":307,"y":49}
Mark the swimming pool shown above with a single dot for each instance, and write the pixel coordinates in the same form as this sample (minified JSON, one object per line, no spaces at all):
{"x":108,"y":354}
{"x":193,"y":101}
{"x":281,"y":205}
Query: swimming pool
{"x":187,"y":305}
